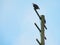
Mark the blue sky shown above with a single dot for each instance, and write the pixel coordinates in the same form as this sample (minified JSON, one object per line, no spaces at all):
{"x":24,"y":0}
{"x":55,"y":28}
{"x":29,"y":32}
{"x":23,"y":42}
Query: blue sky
{"x":17,"y":19}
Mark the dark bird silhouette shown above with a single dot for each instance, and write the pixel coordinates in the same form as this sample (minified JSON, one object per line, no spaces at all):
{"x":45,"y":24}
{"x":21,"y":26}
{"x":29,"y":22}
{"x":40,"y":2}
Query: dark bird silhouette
{"x":35,"y":6}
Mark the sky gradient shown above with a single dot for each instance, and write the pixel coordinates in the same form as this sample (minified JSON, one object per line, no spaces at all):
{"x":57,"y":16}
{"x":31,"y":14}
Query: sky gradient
{"x":17,"y":19}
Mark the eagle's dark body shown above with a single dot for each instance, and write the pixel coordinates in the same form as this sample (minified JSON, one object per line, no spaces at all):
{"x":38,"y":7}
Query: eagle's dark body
{"x":35,"y":6}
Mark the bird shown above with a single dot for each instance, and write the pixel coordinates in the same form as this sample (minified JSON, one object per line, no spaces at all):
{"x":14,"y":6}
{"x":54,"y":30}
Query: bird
{"x":35,"y":6}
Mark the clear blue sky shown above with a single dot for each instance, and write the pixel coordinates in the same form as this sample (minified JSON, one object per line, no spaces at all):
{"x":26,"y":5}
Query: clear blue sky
{"x":17,"y":19}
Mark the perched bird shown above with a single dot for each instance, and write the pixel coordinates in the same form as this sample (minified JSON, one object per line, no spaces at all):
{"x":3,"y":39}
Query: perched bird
{"x":35,"y":6}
